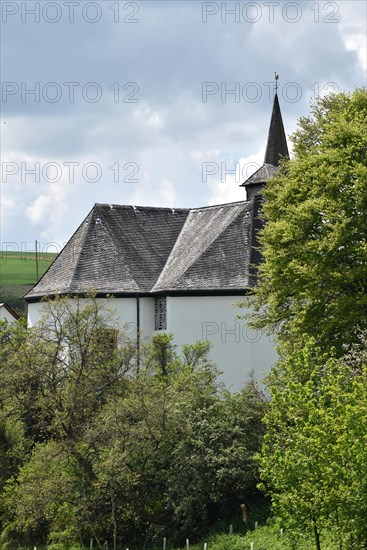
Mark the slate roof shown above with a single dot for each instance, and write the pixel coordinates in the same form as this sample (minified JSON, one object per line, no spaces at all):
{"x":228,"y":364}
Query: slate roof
{"x":263,"y":174}
{"x":212,"y":251}
{"x":130,"y":250}
{"x":117,"y":248}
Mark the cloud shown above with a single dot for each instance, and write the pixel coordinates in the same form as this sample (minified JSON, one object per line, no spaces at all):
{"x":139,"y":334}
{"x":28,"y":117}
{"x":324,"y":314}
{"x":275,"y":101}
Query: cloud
{"x":167,"y":195}
{"x":151,"y":130}
{"x":353,"y":30}
{"x":225,"y":187}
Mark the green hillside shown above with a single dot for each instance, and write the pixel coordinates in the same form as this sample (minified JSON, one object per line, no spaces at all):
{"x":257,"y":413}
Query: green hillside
{"x":18,"y":273}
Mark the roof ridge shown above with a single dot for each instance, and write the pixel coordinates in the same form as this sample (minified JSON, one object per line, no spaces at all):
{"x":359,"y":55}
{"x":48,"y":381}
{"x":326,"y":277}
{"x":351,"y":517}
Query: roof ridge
{"x":172,"y":249}
{"x":196,"y":208}
{"x":141,"y":207}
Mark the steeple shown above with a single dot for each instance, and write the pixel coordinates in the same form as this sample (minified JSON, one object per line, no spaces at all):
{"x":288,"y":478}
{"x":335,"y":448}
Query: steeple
{"x":276,"y":148}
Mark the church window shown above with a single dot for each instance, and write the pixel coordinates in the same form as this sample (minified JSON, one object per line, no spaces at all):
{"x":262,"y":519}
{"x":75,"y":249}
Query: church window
{"x":160,"y":307}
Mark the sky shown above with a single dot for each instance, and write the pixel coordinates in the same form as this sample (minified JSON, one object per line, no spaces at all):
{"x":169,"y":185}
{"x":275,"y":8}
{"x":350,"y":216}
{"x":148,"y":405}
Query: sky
{"x":161,"y":103}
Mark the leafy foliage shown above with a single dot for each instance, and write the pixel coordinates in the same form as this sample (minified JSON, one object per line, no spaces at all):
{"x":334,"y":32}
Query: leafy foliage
{"x":106,"y":443}
{"x":314,"y":243}
{"x":314,"y":461}
{"x":312,"y":293}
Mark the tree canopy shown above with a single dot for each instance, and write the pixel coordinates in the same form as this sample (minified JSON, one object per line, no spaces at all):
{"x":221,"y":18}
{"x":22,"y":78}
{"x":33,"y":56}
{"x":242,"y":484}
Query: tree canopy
{"x":314,"y":242}
{"x":98,"y":441}
{"x":314,"y":460}
{"x":312,"y":292}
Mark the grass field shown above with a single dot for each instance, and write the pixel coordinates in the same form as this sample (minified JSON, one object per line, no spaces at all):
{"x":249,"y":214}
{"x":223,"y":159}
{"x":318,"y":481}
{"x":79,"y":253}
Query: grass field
{"x":18,"y":273}
{"x":20,"y":268}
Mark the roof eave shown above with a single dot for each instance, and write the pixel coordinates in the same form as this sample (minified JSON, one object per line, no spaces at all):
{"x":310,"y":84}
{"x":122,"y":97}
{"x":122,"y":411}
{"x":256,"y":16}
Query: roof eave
{"x":152,"y":294}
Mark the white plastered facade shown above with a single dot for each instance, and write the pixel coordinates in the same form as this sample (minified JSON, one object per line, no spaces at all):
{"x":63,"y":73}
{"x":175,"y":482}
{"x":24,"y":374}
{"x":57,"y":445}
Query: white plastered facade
{"x":236,"y":349}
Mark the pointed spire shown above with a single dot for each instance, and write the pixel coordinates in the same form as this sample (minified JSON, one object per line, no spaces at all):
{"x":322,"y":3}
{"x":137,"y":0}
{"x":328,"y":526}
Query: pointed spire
{"x":276,"y":147}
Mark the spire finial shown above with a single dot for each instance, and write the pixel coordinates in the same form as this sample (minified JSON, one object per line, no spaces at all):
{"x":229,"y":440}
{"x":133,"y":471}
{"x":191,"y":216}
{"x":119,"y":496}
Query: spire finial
{"x":276,"y":81}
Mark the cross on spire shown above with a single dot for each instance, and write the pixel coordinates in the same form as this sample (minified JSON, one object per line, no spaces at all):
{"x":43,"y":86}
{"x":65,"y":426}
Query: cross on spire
{"x":276,"y":82}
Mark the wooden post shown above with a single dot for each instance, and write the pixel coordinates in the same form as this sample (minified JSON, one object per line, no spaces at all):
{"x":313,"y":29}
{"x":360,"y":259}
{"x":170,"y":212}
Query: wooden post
{"x":164,"y":543}
{"x":252,"y":546}
{"x":245,"y":516}
{"x":256,"y":525}
{"x":231,"y":529}
{"x":187,"y":544}
{"x":90,"y":544}
{"x":205,"y":546}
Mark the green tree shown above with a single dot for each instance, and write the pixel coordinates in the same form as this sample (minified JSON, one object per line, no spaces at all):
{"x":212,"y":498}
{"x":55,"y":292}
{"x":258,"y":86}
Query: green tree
{"x":314,"y":460}
{"x":314,"y":275}
{"x":212,"y":469}
{"x":177,"y":452}
{"x":113,"y":445}
{"x":312,"y":292}
{"x":60,"y":372}
{"x":56,"y":377}
{"x":12,"y":441}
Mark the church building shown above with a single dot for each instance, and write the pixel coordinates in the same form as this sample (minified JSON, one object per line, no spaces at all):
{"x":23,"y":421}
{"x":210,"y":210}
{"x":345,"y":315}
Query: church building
{"x":176,"y":270}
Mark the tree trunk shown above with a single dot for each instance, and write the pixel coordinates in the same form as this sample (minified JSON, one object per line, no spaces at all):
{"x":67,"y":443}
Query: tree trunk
{"x":113,"y":514}
{"x":317,"y":535}
{"x":340,"y":545}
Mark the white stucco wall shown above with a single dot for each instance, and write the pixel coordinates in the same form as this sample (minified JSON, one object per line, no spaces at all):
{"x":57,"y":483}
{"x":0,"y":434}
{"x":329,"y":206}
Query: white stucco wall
{"x":5,"y":315}
{"x":125,"y":309}
{"x":34,"y":311}
{"x":146,"y":317}
{"x":236,"y":350}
